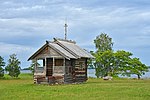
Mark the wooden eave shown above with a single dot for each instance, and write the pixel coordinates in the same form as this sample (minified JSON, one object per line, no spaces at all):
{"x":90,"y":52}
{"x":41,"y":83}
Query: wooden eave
{"x":38,"y":51}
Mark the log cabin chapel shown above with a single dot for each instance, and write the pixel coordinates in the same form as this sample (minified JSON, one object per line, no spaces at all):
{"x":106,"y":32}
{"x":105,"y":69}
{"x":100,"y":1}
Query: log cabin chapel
{"x":63,"y":62}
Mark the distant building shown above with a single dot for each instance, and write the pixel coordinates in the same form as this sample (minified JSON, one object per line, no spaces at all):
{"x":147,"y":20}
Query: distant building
{"x":63,"y":62}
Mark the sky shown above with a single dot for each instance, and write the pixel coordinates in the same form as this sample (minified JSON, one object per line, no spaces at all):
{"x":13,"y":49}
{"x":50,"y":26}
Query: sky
{"x":25,"y":25}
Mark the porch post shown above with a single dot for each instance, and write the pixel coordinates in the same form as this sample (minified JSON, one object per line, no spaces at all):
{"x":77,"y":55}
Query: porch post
{"x":53,"y":65}
{"x":45,"y":65}
{"x":35,"y":67}
{"x":64,"y":66}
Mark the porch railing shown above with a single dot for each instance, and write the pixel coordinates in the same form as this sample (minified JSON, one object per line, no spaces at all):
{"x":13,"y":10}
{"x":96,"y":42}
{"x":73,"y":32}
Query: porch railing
{"x":59,"y":70}
{"x":39,"y":71}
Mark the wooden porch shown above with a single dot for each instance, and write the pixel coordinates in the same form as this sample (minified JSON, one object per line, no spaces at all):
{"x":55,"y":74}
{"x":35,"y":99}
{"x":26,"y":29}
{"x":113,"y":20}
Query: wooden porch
{"x":53,"y":70}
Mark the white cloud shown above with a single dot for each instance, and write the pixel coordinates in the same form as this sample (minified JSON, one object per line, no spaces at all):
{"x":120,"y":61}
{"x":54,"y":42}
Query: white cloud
{"x":7,"y":49}
{"x":23,"y":52}
{"x":29,"y":27}
{"x":23,"y":8}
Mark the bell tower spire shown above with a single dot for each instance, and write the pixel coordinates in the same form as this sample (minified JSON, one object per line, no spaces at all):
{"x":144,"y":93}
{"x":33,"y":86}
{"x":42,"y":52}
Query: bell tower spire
{"x":66,"y":29}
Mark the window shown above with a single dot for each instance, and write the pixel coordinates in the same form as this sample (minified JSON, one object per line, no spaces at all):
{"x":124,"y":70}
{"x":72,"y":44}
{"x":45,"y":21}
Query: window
{"x":58,"y":62}
{"x":40,"y":65}
{"x":59,"y":67}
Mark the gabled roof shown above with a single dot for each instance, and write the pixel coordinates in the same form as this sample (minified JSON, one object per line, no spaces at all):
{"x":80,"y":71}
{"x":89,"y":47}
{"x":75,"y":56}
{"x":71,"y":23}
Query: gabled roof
{"x":65,"y":48}
{"x":74,"y":49}
{"x":61,"y":50}
{"x":37,"y":52}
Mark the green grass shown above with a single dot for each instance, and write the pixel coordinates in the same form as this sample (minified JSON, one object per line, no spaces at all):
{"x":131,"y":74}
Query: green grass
{"x":94,"y":89}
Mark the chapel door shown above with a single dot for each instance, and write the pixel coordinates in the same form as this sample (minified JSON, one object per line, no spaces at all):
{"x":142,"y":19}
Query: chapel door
{"x":49,"y":67}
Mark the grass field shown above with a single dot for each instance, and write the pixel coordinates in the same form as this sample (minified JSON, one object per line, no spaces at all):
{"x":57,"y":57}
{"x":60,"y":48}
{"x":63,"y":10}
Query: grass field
{"x":94,"y":89}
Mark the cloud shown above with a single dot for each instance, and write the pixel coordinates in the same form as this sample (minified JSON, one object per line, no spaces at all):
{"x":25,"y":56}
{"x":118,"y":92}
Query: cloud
{"x":26,"y":24}
{"x":25,"y":30}
{"x":23,"y":52}
{"x":7,"y":49}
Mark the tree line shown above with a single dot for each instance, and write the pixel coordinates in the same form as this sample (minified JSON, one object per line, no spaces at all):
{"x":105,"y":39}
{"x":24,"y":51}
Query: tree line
{"x":107,"y":62}
{"x":13,"y":66}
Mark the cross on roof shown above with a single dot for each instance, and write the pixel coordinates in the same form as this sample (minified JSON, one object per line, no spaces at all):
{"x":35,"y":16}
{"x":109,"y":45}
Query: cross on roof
{"x":66,"y":31}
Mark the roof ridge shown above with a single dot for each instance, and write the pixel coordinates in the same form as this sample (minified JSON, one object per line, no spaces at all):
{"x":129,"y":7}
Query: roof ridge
{"x":50,"y":41}
{"x":70,"y":41}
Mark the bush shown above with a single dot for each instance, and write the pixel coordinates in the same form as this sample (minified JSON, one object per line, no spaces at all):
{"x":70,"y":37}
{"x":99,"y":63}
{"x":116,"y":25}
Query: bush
{"x":13,"y":66}
{"x":2,"y":64}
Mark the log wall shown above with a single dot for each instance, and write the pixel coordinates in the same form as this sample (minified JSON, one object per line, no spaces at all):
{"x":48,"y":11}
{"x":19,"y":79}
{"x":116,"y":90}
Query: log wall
{"x":81,"y":70}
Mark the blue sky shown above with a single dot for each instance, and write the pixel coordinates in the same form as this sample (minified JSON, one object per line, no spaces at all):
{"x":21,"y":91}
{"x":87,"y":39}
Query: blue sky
{"x":25,"y":25}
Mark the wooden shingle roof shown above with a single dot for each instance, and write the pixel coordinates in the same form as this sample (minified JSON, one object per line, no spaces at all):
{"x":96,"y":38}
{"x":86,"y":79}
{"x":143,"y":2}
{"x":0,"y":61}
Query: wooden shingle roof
{"x":73,"y":48}
{"x":62,"y":51}
{"x":65,"y":48}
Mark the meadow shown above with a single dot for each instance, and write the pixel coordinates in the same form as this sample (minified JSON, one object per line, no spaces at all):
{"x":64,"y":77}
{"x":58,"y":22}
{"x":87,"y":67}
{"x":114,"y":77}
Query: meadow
{"x":94,"y":89}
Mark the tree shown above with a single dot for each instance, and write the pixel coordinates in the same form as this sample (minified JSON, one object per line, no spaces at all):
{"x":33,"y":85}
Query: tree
{"x":103,"y":42}
{"x":103,"y":55}
{"x":112,"y":63}
{"x":104,"y":63}
{"x":2,"y":64}
{"x":137,"y":67}
{"x":13,"y":66}
{"x":127,"y":66}
{"x":121,"y":62}
{"x":33,"y":64}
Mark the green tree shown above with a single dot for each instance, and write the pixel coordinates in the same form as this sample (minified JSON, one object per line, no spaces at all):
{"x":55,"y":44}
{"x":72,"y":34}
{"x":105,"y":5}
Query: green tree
{"x":112,"y":63}
{"x":125,"y":65}
{"x":121,"y":62}
{"x":103,"y":55}
{"x":2,"y":64}
{"x":33,"y":64}
{"x":13,"y":66}
{"x":103,"y":42}
{"x":137,"y":67}
{"x":104,"y":63}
